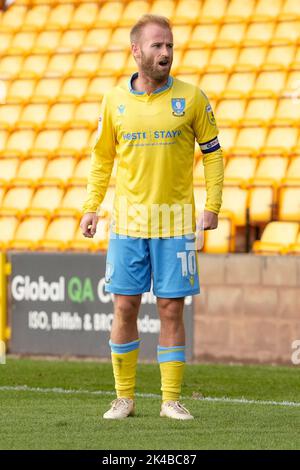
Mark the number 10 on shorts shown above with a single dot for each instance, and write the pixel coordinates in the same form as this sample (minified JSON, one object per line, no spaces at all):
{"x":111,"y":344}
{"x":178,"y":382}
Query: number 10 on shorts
{"x":188,"y":262}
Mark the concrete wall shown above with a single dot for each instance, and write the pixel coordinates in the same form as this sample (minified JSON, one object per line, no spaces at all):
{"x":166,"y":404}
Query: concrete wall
{"x":248,"y":309}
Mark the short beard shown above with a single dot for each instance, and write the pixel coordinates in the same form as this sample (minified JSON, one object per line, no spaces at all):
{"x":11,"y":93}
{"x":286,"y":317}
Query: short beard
{"x":147,"y":66}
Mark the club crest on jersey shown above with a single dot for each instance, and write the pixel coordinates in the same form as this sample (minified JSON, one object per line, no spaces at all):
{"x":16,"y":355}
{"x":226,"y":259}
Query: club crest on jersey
{"x":121,"y":108}
{"x":210,"y":115}
{"x":178,"y":106}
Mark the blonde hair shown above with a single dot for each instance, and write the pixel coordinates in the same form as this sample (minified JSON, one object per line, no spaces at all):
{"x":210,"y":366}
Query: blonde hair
{"x":148,"y":19}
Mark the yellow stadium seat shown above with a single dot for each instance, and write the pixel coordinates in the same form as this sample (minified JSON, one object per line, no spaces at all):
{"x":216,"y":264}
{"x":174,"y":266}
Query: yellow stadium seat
{"x":221,"y":240}
{"x":270,"y":170}
{"x":8,"y":225}
{"x":241,"y":10}
{"x":261,"y":200}
{"x":97,"y":40}
{"x":252,"y":54}
{"x":5,"y":41}
{"x":86,"y":115}
{"x":3,"y":139}
{"x":2,"y":190}
{"x":60,"y":17}
{"x":239,"y":170}
{"x":73,"y":89}
{"x":60,"y":65}
{"x":281,"y":137}
{"x":20,"y":91}
{"x":281,"y":55}
{"x":262,"y":31}
{"x":294,"y":248}
{"x":19,"y":143}
{"x":260,"y":108}
{"x":289,"y":203}
{"x":228,"y":137}
{"x":224,"y":55}
{"x":47,"y":90}
{"x":34,"y":66}
{"x":8,"y":168}
{"x":251,"y":137}
{"x":9,"y":115}
{"x":47,"y":42}
{"x":292,"y":175}
{"x":129,"y":14}
{"x":213,"y":83}
{"x":10,"y":66}
{"x":232,"y":32}
{"x":86,"y":65}
{"x":59,"y":233}
{"x":130,"y":67}
{"x":74,"y":142}
{"x":163,"y":7}
{"x":194,"y":60}
{"x":267,"y":8}
{"x":46,"y":143}
{"x":84,"y":16}
{"x":241,"y":82}
{"x":72,"y":201}
{"x":16,"y":200}
{"x":58,"y":170}
{"x":81,"y":171}
{"x":287,"y":109}
{"x":112,"y":63}
{"x":98,"y":86}
{"x":273,"y":81}
{"x":276,"y":238}
{"x":291,"y":7}
{"x":181,"y":35}
{"x":231,"y":109}
{"x":30,"y":170}
{"x":187,"y":12}
{"x":235,"y":201}
{"x":33,"y":116}
{"x":13,"y":18}
{"x":209,"y":9}
{"x":22,"y":42}
{"x":72,"y":40}
{"x":287,"y":30}
{"x":45,"y":200}
{"x":203,"y":34}
{"x":109,"y":14}
{"x":120,"y":39}
{"x":192,"y":78}
{"x":36,"y":17}
{"x":29,"y":231}
{"x":60,"y":116}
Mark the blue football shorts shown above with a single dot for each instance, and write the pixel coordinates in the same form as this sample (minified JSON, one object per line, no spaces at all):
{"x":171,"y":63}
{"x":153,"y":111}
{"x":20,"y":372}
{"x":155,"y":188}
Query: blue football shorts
{"x":167,"y":265}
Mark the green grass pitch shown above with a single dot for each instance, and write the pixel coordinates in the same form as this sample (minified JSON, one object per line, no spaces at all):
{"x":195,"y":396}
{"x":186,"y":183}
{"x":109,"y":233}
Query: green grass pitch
{"x":35,"y":418}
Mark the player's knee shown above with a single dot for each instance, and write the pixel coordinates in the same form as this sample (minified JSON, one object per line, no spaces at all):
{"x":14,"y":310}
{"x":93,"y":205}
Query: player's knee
{"x":170,"y":311}
{"x":127,"y":310}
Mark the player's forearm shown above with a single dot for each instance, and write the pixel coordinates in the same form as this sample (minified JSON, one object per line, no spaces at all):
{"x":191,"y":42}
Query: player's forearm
{"x":214,"y":176}
{"x":100,"y":171}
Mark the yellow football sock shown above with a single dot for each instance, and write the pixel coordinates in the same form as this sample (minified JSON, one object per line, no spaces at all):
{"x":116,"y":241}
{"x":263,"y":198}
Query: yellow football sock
{"x":171,"y":361}
{"x":124,"y":361}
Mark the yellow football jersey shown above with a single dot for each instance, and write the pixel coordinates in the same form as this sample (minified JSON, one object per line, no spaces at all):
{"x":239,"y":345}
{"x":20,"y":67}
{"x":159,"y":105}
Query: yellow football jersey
{"x":153,"y":137}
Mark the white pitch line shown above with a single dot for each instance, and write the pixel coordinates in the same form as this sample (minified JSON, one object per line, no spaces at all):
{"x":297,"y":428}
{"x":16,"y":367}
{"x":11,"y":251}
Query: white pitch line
{"x":63,"y":391}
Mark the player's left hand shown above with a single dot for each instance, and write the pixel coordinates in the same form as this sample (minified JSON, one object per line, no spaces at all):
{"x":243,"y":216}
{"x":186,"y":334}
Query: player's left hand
{"x":208,"y":220}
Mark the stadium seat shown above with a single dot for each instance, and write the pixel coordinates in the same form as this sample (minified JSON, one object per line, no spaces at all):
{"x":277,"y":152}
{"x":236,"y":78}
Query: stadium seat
{"x":13,"y":19}
{"x":97,"y":39}
{"x":120,"y":39}
{"x":232,"y":32}
{"x":5,"y":41}
{"x":36,"y":17}
{"x":226,"y":54}
{"x":45,"y":200}
{"x":34,"y":66}
{"x":252,"y":138}
{"x":47,"y":90}
{"x":239,"y":170}
{"x":9,"y":115}
{"x":22,"y":42}
{"x":163,"y":7}
{"x":242,"y":82}
{"x":112,"y":63}
{"x":33,"y":116}
{"x":74,"y":143}
{"x":194,"y":60}
{"x":60,"y":17}
{"x":19,"y":143}
{"x":8,"y":168}
{"x":228,"y":109}
{"x":209,"y":10}
{"x":262,"y":31}
{"x":8,"y":225}
{"x":29,"y":231}
{"x":181,"y":35}
{"x":46,"y":143}
{"x":266,"y":8}
{"x":270,"y":170}
{"x":86,"y":115}
{"x":289,"y":30}
{"x":281,"y":54}
{"x":252,"y":53}
{"x":58,"y":170}
{"x":84,"y":16}
{"x":81,"y":171}
{"x":261,"y":204}
{"x":213,"y":83}
{"x":59,"y":233}
{"x":235,"y":201}
{"x":294,"y":248}
{"x":239,"y":10}
{"x":98,"y":86}
{"x":20,"y":91}
{"x":291,"y":7}
{"x":276,"y":238}
{"x":289,"y":203}
{"x":86,"y":64}
{"x":60,"y":65}
{"x":10,"y":66}
{"x":228,"y":137}
{"x":109,"y":14}
{"x":73,"y":90}
{"x":282,"y":138}
{"x":3,"y":139}
{"x":72,"y":201}
{"x":260,"y":108}
{"x":271,"y":81}
{"x":47,"y":42}
{"x":288,"y":109}
{"x":16,"y":200}
{"x":60,"y":116}
{"x":187,"y":12}
{"x":292,"y":175}
{"x":203,"y":34}
{"x":221,"y":240}
{"x":30,"y":170}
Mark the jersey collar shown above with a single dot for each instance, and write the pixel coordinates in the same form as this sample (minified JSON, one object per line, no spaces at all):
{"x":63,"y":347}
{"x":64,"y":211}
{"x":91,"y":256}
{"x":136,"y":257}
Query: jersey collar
{"x":159,"y":90}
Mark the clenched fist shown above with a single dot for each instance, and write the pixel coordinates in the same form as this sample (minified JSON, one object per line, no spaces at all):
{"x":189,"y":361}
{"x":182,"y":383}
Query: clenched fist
{"x":88,"y":224}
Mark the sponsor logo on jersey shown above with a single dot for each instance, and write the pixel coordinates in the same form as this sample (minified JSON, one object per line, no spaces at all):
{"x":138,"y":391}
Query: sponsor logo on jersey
{"x":178,"y":106}
{"x":210,"y":115}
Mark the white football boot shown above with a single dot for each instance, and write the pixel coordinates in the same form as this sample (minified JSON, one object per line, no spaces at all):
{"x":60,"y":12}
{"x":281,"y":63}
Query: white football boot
{"x":120,"y":408}
{"x":173,"y":409}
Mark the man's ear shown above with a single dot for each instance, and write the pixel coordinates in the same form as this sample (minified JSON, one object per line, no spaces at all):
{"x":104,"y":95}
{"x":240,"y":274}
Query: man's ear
{"x":136,"y":51}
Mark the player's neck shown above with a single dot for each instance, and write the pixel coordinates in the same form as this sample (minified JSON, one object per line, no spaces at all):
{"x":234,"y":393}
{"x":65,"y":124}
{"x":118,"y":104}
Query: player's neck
{"x":144,"y":83}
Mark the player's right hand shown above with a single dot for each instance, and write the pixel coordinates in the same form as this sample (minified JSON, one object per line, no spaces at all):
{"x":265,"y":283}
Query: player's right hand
{"x":88,"y":224}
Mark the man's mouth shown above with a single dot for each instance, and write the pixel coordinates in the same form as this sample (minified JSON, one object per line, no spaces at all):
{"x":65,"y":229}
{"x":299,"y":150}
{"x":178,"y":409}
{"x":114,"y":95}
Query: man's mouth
{"x":163,"y":63}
